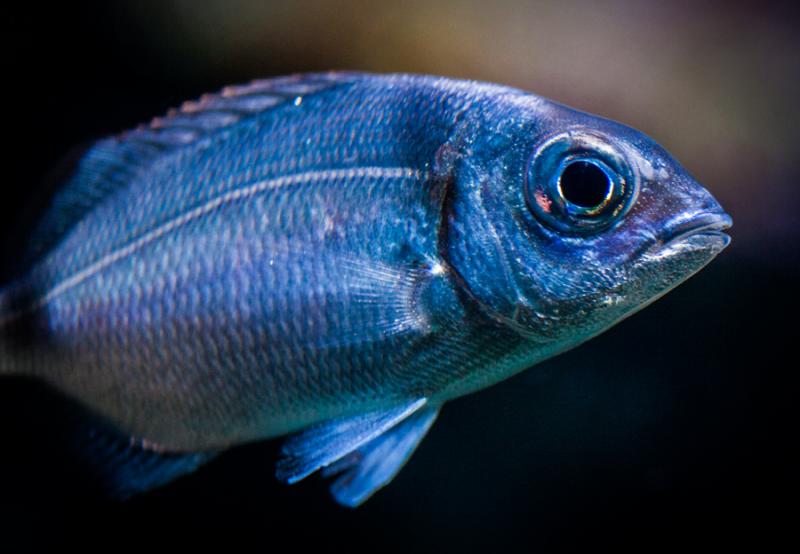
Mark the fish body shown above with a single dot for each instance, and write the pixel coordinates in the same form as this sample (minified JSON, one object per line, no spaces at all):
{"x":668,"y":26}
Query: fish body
{"x":341,"y":254}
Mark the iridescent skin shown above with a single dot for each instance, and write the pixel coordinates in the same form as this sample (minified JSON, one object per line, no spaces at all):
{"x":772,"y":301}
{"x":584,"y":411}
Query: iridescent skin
{"x":364,"y":246}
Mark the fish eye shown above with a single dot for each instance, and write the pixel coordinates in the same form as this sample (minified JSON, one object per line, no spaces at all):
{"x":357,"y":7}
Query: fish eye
{"x":585,"y":184}
{"x":579,"y":183}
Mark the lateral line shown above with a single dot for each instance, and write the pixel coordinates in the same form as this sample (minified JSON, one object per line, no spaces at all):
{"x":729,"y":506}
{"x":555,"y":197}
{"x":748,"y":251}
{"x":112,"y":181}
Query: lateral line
{"x":183,"y":219}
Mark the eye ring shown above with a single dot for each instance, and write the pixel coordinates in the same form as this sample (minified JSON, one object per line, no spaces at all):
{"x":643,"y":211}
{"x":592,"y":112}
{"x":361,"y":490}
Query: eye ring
{"x":579,"y":183}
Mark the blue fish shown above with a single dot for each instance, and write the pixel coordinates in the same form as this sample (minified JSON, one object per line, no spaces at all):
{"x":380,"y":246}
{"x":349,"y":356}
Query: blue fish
{"x":335,"y":256}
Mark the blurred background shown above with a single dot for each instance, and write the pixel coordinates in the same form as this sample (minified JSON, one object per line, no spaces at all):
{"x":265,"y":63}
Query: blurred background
{"x":671,"y":430}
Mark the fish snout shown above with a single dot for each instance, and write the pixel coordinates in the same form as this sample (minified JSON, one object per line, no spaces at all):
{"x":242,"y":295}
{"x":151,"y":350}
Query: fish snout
{"x":700,"y":214}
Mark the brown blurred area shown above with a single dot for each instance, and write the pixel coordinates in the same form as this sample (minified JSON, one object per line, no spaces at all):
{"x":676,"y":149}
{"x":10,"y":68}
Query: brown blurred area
{"x":716,"y":83}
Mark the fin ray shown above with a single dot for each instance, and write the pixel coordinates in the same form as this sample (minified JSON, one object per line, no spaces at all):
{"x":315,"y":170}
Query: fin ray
{"x":372,"y":466}
{"x":323,"y":444}
{"x":383,"y":300}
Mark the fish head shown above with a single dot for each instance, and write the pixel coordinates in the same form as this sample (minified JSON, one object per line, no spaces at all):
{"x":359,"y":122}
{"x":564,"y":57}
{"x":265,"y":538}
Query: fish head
{"x":560,"y":223}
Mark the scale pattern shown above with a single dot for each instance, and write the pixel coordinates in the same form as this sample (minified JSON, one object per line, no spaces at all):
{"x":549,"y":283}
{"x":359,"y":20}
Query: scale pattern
{"x":260,"y":270}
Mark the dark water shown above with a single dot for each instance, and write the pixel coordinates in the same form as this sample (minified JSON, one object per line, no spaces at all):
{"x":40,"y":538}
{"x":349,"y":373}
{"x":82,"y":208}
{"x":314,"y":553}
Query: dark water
{"x":671,"y":430}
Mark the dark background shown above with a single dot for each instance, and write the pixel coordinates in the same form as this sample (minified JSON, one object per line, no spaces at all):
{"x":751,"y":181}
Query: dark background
{"x":672,"y":430}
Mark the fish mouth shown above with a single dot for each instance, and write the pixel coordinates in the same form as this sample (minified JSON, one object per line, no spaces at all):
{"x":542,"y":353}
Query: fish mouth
{"x":684,"y":247}
{"x":709,"y":225}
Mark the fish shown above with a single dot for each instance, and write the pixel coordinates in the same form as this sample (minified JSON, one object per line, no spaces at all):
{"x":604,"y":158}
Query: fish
{"x":332,"y":257}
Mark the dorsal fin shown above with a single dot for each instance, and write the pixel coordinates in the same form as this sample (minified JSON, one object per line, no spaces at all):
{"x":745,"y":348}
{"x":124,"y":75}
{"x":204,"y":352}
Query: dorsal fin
{"x":195,"y":119}
{"x":111,"y":163}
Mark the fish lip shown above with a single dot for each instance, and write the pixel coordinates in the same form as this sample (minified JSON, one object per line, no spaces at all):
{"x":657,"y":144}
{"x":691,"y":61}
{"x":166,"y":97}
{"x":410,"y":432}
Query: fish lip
{"x":705,"y":223}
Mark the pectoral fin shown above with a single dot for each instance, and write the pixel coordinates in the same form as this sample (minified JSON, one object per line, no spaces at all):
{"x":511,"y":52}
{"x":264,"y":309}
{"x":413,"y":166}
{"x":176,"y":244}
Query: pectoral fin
{"x":381,"y":301}
{"x":365,"y":452}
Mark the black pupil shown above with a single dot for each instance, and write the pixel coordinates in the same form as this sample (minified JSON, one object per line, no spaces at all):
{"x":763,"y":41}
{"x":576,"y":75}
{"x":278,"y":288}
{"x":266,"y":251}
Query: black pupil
{"x":584,"y":184}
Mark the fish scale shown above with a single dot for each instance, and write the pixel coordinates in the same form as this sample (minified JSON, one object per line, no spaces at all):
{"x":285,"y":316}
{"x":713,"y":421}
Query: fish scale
{"x":158,"y":302}
{"x":334,"y":255}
